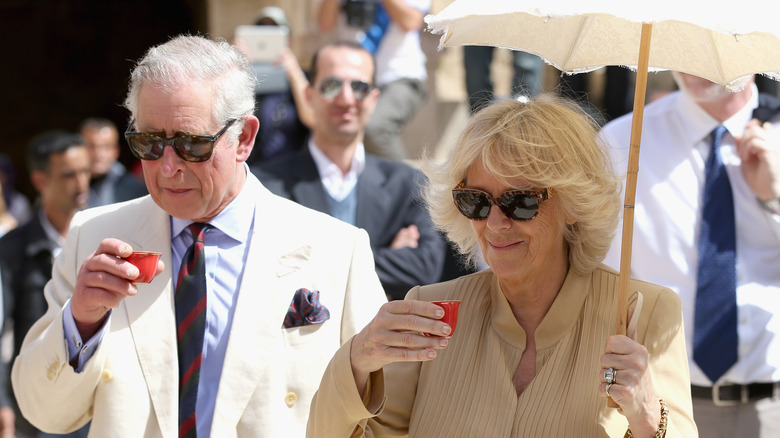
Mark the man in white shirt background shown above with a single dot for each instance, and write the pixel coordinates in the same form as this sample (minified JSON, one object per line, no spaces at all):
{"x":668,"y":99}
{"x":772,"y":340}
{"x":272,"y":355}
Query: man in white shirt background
{"x":741,"y":397}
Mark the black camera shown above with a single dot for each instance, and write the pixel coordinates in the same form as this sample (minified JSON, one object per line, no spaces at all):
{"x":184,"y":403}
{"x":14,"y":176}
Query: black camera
{"x":360,"y":13}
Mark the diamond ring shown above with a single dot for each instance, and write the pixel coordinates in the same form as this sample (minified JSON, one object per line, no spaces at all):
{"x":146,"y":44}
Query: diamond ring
{"x":610,"y":375}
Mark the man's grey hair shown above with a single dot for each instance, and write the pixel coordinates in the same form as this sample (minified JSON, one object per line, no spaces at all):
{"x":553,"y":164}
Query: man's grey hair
{"x":186,"y":59}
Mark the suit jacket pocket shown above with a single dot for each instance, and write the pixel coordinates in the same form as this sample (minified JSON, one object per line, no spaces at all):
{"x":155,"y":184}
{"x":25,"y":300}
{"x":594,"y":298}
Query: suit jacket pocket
{"x":306,"y":334}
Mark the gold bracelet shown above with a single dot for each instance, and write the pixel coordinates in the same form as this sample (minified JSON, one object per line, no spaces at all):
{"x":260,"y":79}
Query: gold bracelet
{"x":661,"y":432}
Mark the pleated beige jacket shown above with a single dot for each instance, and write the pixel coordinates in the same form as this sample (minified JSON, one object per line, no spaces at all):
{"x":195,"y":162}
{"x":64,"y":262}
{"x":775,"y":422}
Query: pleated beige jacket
{"x":467,"y":390}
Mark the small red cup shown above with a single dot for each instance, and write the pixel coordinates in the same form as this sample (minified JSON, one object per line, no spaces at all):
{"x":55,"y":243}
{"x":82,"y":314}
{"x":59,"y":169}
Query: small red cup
{"x":146,"y":262}
{"x":450,"y":313}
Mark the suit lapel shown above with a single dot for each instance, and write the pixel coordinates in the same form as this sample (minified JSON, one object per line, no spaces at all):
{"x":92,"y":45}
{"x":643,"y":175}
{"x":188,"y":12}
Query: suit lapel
{"x":307,"y":189}
{"x":268,"y":285}
{"x":372,"y":200}
{"x":37,"y":240}
{"x":152,"y":320}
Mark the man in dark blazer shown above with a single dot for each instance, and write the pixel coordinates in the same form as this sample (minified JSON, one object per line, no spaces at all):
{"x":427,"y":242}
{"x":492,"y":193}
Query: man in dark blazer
{"x":333,"y":174}
{"x":59,"y":167}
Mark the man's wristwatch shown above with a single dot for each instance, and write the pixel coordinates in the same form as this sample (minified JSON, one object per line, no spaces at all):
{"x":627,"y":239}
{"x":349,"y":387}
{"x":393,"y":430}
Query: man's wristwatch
{"x":772,"y":205}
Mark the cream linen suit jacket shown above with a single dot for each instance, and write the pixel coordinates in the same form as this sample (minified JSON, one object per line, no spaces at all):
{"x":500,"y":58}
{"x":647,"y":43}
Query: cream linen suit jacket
{"x":129,"y":387}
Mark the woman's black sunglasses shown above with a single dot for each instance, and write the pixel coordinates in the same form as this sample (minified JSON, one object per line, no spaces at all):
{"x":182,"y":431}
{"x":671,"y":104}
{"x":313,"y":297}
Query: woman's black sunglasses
{"x":518,"y":205}
{"x":192,"y":148}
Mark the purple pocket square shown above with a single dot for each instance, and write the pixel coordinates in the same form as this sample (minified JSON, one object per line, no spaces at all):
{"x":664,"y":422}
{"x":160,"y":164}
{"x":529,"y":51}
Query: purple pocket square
{"x":306,"y":309}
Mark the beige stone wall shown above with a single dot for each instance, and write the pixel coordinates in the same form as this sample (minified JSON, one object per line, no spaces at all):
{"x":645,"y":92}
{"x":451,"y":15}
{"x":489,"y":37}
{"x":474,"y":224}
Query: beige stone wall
{"x":225,"y":15}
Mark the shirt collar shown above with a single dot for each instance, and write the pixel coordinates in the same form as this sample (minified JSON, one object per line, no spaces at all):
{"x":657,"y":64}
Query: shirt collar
{"x":235,"y":219}
{"x":736,"y":123}
{"x":329,"y":169}
{"x":563,"y":315}
{"x":699,"y":124}
{"x":337,"y":184}
{"x":55,"y":238}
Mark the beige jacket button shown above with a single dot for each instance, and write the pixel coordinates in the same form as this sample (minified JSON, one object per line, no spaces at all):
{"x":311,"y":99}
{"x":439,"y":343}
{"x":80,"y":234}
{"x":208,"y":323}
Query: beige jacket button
{"x":290,"y":399}
{"x":106,"y":375}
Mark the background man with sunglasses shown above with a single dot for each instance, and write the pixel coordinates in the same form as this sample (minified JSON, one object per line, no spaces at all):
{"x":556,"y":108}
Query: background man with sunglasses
{"x":390,"y":30}
{"x":285,"y":286}
{"x":335,"y":175}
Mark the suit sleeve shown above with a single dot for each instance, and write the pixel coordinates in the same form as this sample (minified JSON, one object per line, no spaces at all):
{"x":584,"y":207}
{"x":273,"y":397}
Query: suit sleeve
{"x":401,"y":269}
{"x":49,"y":392}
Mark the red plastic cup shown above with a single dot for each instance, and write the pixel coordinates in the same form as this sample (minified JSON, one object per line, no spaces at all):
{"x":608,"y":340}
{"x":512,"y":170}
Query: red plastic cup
{"x":146,"y":262}
{"x":450,"y":313}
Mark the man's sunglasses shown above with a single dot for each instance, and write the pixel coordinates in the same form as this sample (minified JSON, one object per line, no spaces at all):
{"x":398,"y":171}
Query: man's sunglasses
{"x":192,"y":148}
{"x":331,"y":87}
{"x":518,"y":205}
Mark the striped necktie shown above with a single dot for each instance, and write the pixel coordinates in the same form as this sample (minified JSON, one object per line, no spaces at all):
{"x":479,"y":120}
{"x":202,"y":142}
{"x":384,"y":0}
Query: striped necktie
{"x":715,"y":318}
{"x":190,"y":303}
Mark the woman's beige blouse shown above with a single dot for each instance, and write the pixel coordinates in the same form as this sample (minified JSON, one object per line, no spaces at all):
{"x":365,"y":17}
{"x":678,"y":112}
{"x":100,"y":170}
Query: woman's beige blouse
{"x":467,"y":390}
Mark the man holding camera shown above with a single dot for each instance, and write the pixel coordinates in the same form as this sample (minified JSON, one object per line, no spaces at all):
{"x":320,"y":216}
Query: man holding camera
{"x":390,"y":30}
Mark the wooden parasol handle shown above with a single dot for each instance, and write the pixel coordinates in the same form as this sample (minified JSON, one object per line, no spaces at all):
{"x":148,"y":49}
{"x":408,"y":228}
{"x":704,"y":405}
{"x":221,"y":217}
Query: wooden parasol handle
{"x":633,"y":169}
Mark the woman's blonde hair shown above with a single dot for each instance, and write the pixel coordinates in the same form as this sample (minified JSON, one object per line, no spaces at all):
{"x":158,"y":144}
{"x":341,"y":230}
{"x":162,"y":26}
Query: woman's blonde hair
{"x":549,"y":141}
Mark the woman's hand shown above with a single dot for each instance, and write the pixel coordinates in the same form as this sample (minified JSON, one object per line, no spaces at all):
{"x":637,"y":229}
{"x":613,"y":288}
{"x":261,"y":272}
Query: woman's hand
{"x":632,"y":388}
{"x":395,"y":335}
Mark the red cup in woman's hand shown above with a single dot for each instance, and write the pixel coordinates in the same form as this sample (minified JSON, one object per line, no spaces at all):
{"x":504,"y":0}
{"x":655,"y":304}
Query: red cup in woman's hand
{"x":450,"y":313}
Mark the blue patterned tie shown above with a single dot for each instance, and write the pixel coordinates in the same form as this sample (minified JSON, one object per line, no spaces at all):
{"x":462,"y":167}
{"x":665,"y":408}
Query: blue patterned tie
{"x":190,"y":303}
{"x":715,"y":329}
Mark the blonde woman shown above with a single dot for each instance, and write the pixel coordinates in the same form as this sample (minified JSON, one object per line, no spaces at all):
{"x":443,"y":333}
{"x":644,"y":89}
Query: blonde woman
{"x":535,"y":352}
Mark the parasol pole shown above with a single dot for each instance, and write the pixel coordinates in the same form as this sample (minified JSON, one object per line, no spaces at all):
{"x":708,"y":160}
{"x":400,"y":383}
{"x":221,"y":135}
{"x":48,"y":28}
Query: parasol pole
{"x":633,"y":168}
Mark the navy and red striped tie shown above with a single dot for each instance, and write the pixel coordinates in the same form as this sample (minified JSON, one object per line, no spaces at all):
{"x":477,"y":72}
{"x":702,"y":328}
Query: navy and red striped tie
{"x":190,"y":303}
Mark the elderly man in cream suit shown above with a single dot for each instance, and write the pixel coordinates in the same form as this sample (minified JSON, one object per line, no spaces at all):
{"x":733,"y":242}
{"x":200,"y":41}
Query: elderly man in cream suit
{"x":106,"y":350}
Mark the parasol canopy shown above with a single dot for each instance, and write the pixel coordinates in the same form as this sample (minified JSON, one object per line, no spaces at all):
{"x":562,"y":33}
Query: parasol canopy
{"x":718,"y":41}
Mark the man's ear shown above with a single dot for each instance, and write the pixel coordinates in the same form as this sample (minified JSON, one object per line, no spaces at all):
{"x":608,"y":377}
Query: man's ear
{"x":246,"y":139}
{"x":39,"y":179}
{"x":371,"y":100}
{"x":375,"y":92}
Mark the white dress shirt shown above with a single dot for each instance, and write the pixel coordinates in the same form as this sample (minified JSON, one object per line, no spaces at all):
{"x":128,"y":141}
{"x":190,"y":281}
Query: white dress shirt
{"x":337,"y":184}
{"x":674,"y":146}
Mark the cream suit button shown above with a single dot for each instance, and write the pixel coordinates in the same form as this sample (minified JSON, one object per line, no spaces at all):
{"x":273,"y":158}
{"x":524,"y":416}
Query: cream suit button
{"x":106,"y":375}
{"x":290,"y":399}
